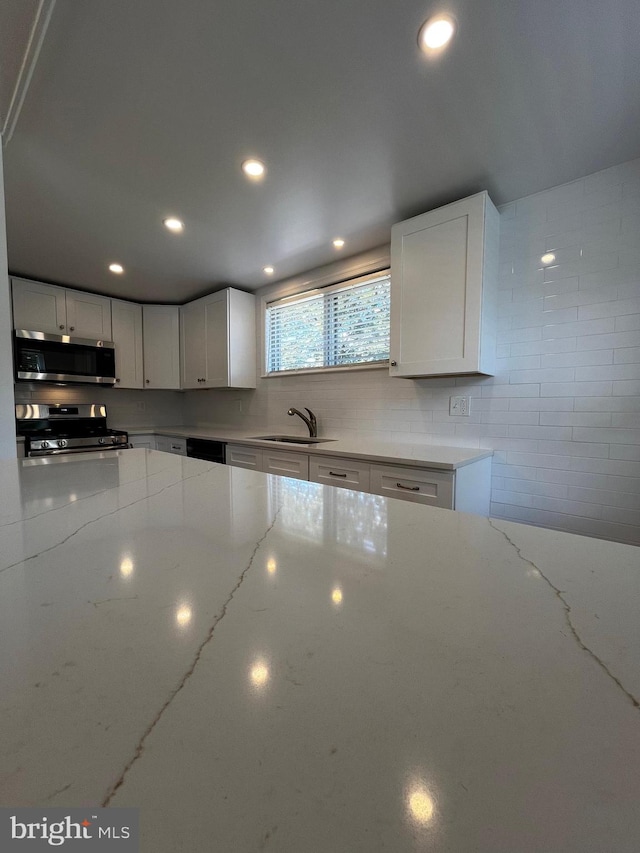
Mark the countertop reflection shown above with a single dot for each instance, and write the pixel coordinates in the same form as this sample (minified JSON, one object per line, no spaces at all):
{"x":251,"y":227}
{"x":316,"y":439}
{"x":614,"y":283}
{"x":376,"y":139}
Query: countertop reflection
{"x":263,"y":663}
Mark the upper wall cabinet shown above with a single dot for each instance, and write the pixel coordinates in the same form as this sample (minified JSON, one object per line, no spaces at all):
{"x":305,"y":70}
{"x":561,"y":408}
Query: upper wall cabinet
{"x":218,"y":337}
{"x":88,"y":315}
{"x":444,"y":270}
{"x":42,"y":307}
{"x":161,"y":327}
{"x":126,"y":320}
{"x":39,"y":307}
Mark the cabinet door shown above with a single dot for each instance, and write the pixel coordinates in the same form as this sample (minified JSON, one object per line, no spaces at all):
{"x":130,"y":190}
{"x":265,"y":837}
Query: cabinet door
{"x":286,"y":464}
{"x":193,"y":343}
{"x":244,"y":457}
{"x":39,"y":307}
{"x":219,"y":341}
{"x":443,"y":271}
{"x":126,"y":320}
{"x":148,"y":442}
{"x":88,"y":315}
{"x":171,"y":444}
{"x":346,"y":473}
{"x":161,"y":333}
{"x":413,"y":484}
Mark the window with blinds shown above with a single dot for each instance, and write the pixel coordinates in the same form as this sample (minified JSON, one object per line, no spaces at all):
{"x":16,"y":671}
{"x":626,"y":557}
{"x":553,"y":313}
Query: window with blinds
{"x":337,"y":326}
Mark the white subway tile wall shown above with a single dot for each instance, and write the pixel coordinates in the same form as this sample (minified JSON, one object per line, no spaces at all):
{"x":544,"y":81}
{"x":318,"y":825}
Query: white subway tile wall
{"x":563,"y":411}
{"x":126,"y":409}
{"x":586,"y":385}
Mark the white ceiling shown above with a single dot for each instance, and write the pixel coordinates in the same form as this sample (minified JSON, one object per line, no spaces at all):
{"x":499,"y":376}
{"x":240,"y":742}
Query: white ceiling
{"x":140,"y":109}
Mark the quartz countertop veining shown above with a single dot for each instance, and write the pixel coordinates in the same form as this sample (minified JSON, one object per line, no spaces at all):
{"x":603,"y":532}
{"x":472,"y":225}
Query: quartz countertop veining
{"x":259,"y":663}
{"x":358,"y":446}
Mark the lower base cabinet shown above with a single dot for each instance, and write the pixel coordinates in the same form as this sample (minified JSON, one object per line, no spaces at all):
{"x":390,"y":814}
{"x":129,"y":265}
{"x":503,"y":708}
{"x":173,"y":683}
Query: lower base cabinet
{"x":171,"y":444}
{"x":148,"y":442}
{"x":434,"y":488}
{"x":244,"y":457}
{"x":282,"y":462}
{"x":466,"y":489}
{"x":286,"y":464}
{"x":344,"y":473}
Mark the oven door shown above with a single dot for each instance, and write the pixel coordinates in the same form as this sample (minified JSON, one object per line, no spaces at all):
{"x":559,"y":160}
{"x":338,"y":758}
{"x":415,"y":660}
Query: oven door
{"x":41,"y":357}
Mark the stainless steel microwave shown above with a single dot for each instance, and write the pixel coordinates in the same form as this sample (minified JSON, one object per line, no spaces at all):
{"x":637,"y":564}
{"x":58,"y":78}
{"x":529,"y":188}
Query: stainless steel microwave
{"x":41,"y":357}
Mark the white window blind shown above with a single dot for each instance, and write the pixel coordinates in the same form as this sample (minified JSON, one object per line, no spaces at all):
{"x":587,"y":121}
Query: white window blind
{"x":337,"y":326}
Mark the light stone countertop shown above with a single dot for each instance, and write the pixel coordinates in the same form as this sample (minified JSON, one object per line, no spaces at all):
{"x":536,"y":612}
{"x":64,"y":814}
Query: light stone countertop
{"x":260,"y":663}
{"x":356,"y":447}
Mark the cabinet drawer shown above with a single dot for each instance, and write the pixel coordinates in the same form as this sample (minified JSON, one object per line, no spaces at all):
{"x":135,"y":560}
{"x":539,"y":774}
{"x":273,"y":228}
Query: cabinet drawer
{"x":413,"y":484}
{"x":348,"y":473}
{"x":286,"y":464}
{"x":244,"y":457}
{"x":146,"y":441}
{"x":171,"y":445}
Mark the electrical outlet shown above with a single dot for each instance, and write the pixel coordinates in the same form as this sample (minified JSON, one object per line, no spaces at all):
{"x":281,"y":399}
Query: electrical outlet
{"x":141,"y":405}
{"x":459,"y":406}
{"x":239,"y":405}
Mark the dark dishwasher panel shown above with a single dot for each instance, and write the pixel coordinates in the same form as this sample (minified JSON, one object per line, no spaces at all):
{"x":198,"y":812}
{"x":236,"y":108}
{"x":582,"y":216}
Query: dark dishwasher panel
{"x":202,"y":448}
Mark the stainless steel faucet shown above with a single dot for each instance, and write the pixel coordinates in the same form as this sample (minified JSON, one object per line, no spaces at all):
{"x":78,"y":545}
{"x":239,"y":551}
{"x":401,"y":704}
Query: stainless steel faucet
{"x":309,"y":421}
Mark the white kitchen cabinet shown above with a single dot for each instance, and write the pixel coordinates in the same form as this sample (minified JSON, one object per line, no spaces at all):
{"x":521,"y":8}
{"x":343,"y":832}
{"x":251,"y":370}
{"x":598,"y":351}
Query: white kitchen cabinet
{"x":283,"y":462}
{"x":126,"y":319}
{"x":39,"y":307}
{"x":88,"y":315}
{"x":444,"y":269}
{"x":146,"y":441}
{"x":466,"y":488}
{"x":161,"y":346}
{"x":286,"y":463}
{"x":421,"y":485}
{"x":345,"y":473}
{"x":172,"y":444}
{"x":57,"y":310}
{"x":243,"y":456}
{"x":218,"y":340}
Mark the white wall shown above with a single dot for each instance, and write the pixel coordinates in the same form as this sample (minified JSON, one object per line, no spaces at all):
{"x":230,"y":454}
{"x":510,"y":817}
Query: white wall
{"x":562,"y":412}
{"x":7,"y":415}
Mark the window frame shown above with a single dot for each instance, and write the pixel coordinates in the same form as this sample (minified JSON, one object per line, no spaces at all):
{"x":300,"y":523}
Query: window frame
{"x":318,"y":287}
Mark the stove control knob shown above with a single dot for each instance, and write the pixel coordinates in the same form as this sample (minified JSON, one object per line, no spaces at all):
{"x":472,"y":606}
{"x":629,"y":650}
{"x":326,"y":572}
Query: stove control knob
{"x":44,"y":445}
{"x":62,"y":442}
{"x":114,"y":439}
{"x":102,"y":440}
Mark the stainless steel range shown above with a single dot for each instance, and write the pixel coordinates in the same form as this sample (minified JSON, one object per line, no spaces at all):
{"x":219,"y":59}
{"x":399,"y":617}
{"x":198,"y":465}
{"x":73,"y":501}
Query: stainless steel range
{"x":56,"y":429}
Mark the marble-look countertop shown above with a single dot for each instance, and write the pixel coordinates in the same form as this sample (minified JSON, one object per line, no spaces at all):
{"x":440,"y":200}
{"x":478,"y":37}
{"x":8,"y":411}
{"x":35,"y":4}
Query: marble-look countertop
{"x":358,"y":446}
{"x":259,"y":663}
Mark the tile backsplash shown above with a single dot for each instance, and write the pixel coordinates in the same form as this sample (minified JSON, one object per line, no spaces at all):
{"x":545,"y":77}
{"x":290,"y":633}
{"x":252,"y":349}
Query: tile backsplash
{"x":125,"y":409}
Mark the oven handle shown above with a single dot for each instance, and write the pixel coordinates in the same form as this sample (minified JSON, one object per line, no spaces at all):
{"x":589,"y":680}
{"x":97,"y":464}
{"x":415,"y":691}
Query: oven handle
{"x":38,"y":454}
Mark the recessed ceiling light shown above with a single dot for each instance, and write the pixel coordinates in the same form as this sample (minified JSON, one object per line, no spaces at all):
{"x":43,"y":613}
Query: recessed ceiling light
{"x":268,"y":270}
{"x":253,"y":168}
{"x":436,"y":32}
{"x":173,"y":224}
{"x":338,"y":242}
{"x":547,"y":259}
{"x":118,"y":269}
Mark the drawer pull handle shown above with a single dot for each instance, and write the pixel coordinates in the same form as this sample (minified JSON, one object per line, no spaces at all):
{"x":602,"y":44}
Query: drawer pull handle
{"x":334,"y":474}
{"x":408,"y":488}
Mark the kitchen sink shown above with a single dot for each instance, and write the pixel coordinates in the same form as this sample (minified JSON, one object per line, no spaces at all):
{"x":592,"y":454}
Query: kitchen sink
{"x":291,"y":439}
